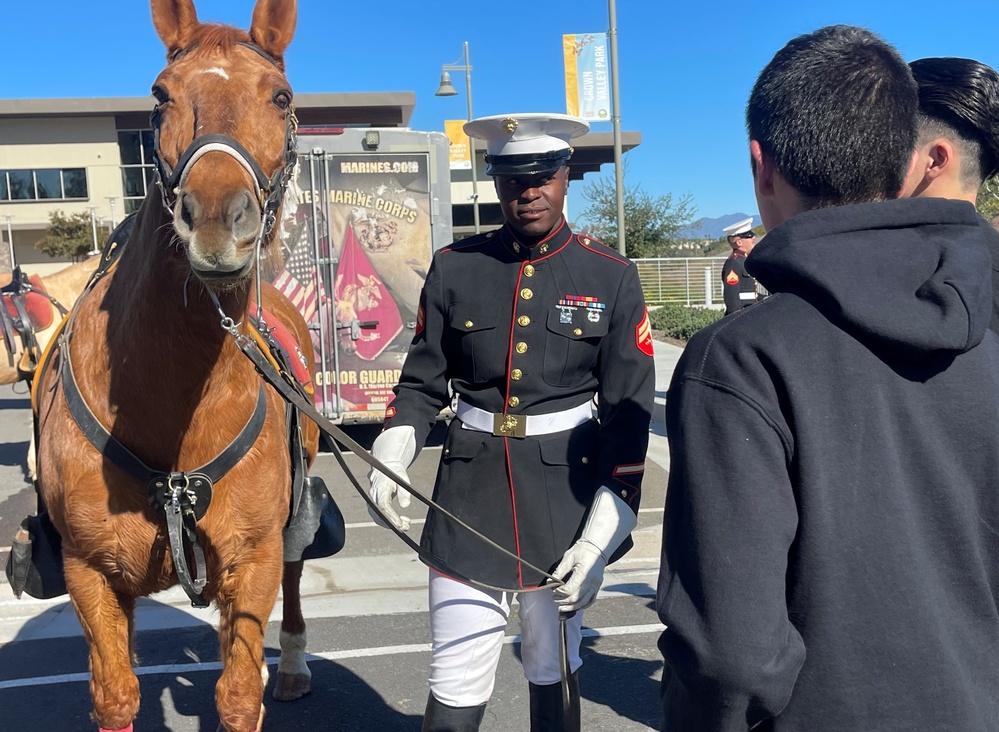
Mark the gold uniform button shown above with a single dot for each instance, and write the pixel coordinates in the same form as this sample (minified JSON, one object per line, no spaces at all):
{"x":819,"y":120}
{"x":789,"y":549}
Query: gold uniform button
{"x":624,"y":494}
{"x":516,"y":374}
{"x":469,"y":323}
{"x":524,"y":321}
{"x":521,"y":347}
{"x":526,"y":294}
{"x":529,"y":271}
{"x":577,"y":331}
{"x":585,"y":460}
{"x":513,"y":401}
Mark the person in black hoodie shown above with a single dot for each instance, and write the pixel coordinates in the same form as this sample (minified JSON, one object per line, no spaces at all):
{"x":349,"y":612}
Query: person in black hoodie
{"x":958,"y":136}
{"x":830,"y":556}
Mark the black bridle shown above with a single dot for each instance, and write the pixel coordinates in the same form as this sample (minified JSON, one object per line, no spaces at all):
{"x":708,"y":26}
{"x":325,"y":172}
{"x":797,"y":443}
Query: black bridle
{"x":270,"y":191}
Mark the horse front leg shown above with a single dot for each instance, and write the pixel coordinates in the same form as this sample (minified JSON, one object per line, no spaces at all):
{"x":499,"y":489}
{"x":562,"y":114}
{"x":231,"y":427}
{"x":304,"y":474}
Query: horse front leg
{"x":294,"y":679}
{"x":245,"y":599}
{"x":107,"y":620}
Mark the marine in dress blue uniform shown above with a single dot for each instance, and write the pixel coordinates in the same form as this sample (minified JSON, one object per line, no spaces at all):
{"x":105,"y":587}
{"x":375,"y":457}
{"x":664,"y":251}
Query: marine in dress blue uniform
{"x":738,"y":286}
{"x":544,"y":337}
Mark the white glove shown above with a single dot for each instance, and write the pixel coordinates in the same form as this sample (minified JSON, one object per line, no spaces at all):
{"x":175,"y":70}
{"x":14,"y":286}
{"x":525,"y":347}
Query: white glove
{"x":608,"y":525}
{"x":396,"y":448}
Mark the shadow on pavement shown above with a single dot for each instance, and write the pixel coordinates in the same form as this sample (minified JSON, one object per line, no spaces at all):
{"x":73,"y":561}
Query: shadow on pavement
{"x":44,"y":684}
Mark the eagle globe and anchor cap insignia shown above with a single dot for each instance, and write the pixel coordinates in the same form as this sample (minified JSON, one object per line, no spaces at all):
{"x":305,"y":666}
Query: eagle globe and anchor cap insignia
{"x":510,"y":125}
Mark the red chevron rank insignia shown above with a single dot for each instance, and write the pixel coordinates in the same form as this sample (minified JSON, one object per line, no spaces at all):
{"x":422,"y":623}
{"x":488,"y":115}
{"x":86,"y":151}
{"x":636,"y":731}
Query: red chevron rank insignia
{"x":643,"y":335}
{"x":732,"y":278}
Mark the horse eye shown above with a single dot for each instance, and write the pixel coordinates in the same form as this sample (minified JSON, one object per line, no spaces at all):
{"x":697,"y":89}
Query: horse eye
{"x":282,"y":99}
{"x":161,"y":95}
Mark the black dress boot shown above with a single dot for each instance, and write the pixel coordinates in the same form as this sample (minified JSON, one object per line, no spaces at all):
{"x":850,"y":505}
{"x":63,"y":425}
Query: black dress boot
{"x":442,"y":718}
{"x":548,"y":711}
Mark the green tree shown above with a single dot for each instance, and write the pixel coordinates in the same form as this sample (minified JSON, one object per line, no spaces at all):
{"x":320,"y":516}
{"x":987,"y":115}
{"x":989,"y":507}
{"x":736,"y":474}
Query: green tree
{"x":70,"y":236}
{"x":988,"y":198}
{"x":653,"y":225}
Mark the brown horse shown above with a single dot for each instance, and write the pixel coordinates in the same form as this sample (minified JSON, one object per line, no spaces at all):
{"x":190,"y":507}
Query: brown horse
{"x":170,"y":385}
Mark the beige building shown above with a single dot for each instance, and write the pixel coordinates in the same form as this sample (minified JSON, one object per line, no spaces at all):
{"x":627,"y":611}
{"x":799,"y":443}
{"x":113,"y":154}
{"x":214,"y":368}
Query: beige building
{"x":94,"y":156}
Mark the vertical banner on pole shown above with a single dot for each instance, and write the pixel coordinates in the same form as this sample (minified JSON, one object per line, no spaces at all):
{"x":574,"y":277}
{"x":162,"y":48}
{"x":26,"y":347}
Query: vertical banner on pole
{"x":587,"y":76}
{"x":460,"y":150}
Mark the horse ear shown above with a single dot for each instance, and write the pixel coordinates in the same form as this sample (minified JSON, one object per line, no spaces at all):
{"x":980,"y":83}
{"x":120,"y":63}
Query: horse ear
{"x":175,"y":21}
{"x":274,"y":25}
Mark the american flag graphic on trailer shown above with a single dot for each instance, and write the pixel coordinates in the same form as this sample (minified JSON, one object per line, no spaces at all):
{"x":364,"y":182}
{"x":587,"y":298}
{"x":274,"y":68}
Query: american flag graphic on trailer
{"x":298,"y":282}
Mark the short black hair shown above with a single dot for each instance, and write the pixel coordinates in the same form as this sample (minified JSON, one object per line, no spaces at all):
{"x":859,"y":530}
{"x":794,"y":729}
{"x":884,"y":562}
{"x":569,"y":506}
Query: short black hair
{"x":959,"y":99}
{"x":836,"y":112}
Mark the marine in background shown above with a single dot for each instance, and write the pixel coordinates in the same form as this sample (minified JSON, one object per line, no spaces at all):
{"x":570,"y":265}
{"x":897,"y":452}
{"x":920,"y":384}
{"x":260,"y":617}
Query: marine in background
{"x":738,"y":286}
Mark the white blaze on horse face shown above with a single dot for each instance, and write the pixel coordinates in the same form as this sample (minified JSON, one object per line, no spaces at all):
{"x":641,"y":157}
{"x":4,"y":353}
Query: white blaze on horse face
{"x":217,"y":70}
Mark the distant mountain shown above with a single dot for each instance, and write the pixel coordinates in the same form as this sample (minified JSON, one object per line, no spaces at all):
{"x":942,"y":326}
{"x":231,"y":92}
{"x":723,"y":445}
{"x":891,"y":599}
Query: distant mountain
{"x":708,"y":228}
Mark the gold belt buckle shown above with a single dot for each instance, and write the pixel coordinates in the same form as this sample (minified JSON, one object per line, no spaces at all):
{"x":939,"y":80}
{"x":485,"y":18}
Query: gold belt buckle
{"x":510,"y":425}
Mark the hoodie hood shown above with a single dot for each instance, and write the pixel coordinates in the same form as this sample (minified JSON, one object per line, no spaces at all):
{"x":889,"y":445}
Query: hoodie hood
{"x":911,"y":276}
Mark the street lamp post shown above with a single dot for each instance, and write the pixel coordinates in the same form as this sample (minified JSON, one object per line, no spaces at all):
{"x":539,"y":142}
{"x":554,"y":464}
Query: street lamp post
{"x":447,"y":90}
{"x":93,"y":226}
{"x":10,"y":241}
{"x":111,"y":200}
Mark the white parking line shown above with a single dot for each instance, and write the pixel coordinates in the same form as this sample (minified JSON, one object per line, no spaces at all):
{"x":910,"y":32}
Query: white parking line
{"x":187,"y":668}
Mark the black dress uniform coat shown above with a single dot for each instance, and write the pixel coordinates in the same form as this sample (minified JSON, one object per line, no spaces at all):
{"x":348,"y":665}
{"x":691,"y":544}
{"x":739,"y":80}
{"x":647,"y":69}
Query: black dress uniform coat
{"x":736,"y":283}
{"x":528,"y":330}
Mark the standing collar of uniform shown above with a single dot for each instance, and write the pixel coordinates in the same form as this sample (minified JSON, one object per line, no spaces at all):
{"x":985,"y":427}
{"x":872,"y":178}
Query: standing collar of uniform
{"x":547,"y":246}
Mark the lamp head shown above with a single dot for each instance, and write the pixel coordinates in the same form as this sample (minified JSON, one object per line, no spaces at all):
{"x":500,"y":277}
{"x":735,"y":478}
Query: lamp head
{"x":446,"y":89}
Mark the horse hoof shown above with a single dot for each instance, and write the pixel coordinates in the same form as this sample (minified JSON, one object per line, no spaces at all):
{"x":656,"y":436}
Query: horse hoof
{"x":290,"y":687}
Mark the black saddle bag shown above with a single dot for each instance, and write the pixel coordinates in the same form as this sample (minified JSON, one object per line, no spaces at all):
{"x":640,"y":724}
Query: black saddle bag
{"x":34,"y":564}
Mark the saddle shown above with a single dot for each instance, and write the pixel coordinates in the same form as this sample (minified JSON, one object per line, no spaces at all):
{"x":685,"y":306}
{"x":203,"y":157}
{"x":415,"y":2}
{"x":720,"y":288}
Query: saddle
{"x":316,"y":527}
{"x":25,"y":309}
{"x":39,"y":310}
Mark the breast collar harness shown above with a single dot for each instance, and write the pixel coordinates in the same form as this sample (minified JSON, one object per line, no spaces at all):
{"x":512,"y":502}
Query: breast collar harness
{"x":270,"y":191}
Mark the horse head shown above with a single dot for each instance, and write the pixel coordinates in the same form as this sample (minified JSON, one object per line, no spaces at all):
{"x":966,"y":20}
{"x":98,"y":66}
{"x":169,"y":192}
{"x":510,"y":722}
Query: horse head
{"x":224,"y":126}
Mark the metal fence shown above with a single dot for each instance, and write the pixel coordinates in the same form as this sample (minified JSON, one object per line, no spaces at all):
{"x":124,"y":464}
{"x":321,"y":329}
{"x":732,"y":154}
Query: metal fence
{"x":690,"y":280}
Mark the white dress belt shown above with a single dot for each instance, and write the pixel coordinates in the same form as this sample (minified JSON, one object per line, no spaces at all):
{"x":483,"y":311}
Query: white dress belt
{"x":522,"y":425}
{"x":747,"y":295}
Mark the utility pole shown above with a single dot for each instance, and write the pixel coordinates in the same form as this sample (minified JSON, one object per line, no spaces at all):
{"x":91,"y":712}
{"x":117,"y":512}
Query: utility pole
{"x":616,"y":119}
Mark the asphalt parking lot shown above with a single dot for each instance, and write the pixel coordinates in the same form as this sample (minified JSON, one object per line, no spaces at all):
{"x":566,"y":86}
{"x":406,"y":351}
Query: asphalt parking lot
{"x":367,"y":626}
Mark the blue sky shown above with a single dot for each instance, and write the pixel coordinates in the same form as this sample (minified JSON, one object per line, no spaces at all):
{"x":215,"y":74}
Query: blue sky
{"x":686,"y":68}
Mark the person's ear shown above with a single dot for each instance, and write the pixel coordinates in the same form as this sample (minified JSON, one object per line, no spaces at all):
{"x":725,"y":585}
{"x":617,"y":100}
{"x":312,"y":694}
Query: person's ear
{"x":941,"y":156}
{"x":763,"y":169}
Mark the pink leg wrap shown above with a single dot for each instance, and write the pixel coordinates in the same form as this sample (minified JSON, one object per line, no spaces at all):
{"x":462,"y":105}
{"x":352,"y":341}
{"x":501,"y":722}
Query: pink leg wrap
{"x":125,"y":729}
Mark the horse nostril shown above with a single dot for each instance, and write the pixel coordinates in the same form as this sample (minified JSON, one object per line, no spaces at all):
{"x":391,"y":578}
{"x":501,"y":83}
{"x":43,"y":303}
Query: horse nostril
{"x":238,"y":213}
{"x":188,"y":207}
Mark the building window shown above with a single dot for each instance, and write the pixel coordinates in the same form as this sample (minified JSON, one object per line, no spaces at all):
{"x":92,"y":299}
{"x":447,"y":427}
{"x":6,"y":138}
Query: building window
{"x":43,"y":184}
{"x":136,"y":148}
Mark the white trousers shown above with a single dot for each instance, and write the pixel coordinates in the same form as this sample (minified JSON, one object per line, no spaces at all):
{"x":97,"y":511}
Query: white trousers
{"x":468,"y":625}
